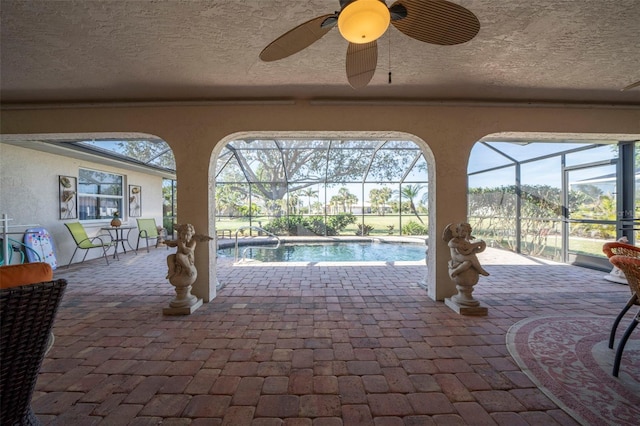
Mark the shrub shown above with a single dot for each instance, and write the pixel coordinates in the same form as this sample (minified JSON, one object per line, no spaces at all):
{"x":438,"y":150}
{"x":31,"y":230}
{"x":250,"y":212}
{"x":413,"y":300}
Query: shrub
{"x":337,"y":223}
{"x":283,"y":225}
{"x":364,"y":229}
{"x":414,"y":228}
{"x":314,"y":224}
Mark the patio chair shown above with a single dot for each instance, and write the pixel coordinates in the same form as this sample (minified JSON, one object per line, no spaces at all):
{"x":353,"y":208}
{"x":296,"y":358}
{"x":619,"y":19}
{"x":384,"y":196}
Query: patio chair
{"x":27,"y":313}
{"x":84,"y":242}
{"x":148,"y":230}
{"x":631,"y":268}
{"x":617,"y":248}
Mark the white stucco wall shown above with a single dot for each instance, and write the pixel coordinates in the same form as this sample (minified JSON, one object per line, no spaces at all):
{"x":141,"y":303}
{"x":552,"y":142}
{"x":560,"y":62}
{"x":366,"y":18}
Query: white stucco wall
{"x":29,"y":195}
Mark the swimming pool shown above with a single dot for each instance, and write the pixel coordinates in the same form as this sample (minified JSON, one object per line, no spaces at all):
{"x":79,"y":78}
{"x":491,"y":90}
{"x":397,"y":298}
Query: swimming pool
{"x":333,"y":252}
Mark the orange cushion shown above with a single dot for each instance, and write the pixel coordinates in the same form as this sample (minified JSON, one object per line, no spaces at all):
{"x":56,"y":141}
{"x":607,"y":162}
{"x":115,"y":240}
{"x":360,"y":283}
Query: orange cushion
{"x":26,"y":273}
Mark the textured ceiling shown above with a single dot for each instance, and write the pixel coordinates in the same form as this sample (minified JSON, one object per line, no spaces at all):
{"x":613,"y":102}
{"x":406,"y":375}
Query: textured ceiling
{"x":582,"y":51}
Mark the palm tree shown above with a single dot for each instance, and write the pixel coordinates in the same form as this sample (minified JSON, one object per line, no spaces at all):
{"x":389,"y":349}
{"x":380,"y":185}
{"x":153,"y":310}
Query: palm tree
{"x":293,"y":202}
{"x":384,"y":195}
{"x":411,"y":192}
{"x":310,"y":193}
{"x":351,"y":199}
{"x":335,"y":202}
{"x":374,"y":199}
{"x":343,"y":194}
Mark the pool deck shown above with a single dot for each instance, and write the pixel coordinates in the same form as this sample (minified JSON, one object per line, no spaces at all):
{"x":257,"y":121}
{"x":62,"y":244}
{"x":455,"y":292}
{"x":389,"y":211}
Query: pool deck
{"x":310,"y":345}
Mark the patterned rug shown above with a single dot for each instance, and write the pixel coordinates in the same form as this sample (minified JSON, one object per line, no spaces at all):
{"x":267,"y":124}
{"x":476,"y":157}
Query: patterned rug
{"x":568,"y":359}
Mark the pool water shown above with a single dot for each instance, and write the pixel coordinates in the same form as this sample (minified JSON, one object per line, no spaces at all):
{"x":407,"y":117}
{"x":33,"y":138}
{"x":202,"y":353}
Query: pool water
{"x":333,"y":252}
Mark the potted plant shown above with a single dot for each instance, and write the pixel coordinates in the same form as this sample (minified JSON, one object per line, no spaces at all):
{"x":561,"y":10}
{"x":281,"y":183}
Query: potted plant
{"x":115,"y":222}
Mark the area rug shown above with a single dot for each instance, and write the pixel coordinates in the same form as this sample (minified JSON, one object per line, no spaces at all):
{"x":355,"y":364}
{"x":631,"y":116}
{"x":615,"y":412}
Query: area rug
{"x":568,"y":359}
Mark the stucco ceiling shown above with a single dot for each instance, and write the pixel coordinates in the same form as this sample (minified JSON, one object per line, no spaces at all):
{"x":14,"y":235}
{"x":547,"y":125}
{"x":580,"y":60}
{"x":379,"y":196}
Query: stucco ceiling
{"x":572,"y":51}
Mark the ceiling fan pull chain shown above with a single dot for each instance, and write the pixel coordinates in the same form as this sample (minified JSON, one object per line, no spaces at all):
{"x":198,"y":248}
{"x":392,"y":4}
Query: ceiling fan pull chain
{"x":389,"y":39}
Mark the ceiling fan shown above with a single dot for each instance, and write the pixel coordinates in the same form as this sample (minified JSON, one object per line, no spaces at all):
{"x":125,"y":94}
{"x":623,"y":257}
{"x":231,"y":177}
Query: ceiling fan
{"x":631,"y":86}
{"x":362,"y":22}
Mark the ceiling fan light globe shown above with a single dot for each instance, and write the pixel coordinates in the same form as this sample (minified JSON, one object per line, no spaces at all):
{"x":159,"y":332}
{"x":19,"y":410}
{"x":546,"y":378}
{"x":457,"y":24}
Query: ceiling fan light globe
{"x":364,"y":21}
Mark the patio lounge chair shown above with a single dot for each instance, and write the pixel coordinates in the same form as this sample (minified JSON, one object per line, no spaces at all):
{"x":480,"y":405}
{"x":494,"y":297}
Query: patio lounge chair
{"x":622,"y":249}
{"x":84,"y":242}
{"x":27,"y":313}
{"x":148,"y":230}
{"x":631,"y":268}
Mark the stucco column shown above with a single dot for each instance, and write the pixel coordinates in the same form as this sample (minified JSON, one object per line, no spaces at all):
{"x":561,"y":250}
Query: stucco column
{"x":192,"y":169}
{"x":449,"y":205}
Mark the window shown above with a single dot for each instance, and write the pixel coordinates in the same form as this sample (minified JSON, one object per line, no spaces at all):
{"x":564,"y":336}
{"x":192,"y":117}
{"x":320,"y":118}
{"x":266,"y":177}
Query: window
{"x":100,"y":194}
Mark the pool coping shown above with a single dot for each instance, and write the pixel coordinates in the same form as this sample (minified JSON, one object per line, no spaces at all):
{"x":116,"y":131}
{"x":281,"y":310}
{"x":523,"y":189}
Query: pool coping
{"x":244,"y":241}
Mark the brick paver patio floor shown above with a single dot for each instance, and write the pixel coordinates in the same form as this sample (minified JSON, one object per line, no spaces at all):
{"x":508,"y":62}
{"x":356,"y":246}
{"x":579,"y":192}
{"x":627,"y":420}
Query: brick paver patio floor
{"x":305,"y":345}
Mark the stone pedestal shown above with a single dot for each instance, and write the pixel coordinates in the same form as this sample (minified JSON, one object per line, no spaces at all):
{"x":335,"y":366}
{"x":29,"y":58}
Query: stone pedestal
{"x":478,"y":310}
{"x":186,"y":310}
{"x":463,"y":302}
{"x":184,"y":303}
{"x":616,"y":276}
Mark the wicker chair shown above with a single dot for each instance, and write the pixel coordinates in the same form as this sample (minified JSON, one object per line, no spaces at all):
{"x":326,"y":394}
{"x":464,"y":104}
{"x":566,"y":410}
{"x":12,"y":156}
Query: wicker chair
{"x":631,"y":268}
{"x":27,"y":313}
{"x":622,"y":249}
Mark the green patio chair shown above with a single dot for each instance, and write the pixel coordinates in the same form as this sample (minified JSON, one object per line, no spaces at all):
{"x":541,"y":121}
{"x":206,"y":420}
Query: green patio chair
{"x":148,"y":230}
{"x":84,"y":242}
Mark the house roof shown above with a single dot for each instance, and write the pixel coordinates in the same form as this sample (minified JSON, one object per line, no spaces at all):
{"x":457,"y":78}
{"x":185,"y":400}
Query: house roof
{"x":570,"y":51}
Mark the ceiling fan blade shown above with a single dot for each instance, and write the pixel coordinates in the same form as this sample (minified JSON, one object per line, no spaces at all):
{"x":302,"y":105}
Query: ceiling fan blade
{"x":631,"y":86}
{"x":293,"y":41}
{"x":437,"y":22}
{"x":362,"y":60}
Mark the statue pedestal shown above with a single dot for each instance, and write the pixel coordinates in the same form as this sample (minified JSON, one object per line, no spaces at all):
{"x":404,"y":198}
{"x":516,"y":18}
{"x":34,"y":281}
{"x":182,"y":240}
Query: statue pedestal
{"x":463,"y":302}
{"x":186,"y":310}
{"x":478,"y":310}
{"x":616,"y":276}
{"x":184,"y":303}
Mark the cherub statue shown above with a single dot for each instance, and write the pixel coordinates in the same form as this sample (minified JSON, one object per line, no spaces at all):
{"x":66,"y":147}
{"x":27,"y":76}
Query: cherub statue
{"x":463,"y":249}
{"x":181,"y":264}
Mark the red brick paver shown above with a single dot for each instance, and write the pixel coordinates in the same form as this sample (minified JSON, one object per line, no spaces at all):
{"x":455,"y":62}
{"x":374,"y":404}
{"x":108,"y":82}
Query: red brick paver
{"x":302,"y":345}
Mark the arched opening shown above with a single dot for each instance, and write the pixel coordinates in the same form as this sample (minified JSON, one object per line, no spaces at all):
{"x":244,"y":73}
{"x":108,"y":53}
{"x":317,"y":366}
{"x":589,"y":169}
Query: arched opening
{"x":322,"y":184}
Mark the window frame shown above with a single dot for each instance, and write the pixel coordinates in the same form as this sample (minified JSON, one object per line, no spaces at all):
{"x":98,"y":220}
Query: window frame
{"x":84,"y":195}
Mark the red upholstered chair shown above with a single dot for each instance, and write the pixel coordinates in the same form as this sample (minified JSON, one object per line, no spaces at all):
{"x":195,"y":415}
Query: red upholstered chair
{"x":29,"y":300}
{"x":631,"y":268}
